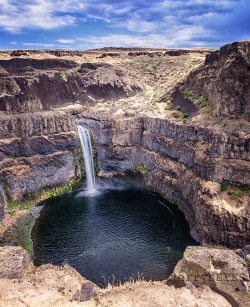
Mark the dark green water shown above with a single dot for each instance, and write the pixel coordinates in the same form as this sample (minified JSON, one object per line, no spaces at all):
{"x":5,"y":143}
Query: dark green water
{"x":122,"y":231}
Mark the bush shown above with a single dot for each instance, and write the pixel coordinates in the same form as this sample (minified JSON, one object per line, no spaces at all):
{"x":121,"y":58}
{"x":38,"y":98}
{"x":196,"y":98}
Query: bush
{"x":177,"y":108}
{"x":187,"y":92}
{"x":223,"y":186}
{"x":217,"y":119}
{"x":63,"y":77}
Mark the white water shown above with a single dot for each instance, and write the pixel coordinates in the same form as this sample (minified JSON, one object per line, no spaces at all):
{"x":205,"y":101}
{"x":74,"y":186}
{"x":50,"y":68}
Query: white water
{"x":85,"y":140}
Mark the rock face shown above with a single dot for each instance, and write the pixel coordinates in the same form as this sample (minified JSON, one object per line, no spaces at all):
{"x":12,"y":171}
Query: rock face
{"x":224,"y":79}
{"x":14,"y":260}
{"x":171,"y":156}
{"x":26,"y":285}
{"x":222,"y":270}
{"x":186,"y":159}
{"x":28,"y":85}
{"x":37,"y":151}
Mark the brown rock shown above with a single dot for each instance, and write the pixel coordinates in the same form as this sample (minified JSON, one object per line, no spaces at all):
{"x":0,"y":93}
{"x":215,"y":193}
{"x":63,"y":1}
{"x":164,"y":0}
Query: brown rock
{"x":87,"y":291}
{"x":222,"y":270}
{"x":14,"y":260}
{"x":225,"y":79}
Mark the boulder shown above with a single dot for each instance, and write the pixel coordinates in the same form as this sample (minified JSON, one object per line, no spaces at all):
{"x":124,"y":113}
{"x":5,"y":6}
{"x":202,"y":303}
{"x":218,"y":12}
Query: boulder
{"x":87,"y":291}
{"x":14,"y":260}
{"x":222,"y":270}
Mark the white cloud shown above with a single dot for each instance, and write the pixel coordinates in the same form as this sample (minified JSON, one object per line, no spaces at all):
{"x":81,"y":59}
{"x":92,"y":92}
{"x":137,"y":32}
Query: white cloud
{"x":170,"y":22}
{"x":167,"y":40}
{"x":40,"y":45}
{"x":38,"y":14}
{"x":66,"y":41}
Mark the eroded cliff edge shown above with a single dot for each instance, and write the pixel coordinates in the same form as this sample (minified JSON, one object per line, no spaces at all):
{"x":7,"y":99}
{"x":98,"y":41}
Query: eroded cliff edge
{"x":148,"y":114}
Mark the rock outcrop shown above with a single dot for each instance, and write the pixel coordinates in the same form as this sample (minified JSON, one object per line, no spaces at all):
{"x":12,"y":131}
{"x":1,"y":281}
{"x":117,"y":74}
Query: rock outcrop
{"x":63,"y":286}
{"x":224,"y":79}
{"x":172,"y":156}
{"x":187,"y":157}
{"x":221,"y":270}
{"x":14,"y":261}
{"x":38,"y":151}
{"x":25,"y":285}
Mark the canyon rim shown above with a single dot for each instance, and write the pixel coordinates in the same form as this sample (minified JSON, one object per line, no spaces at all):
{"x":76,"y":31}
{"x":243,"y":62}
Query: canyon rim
{"x":175,"y":120}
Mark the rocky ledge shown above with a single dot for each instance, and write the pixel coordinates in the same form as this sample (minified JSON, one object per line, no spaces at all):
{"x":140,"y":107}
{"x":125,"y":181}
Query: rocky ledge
{"x":204,"y":277}
{"x":176,"y":119}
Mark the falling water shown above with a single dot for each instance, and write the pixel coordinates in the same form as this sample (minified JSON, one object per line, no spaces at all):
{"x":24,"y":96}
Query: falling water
{"x":85,"y":140}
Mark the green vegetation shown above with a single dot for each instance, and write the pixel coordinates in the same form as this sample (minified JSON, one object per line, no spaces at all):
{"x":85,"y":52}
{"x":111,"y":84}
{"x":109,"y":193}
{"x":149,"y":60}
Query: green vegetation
{"x":63,"y":77}
{"x":69,"y":187}
{"x":74,"y":161}
{"x":235,"y":192}
{"x":154,"y":68}
{"x":23,"y":232}
{"x":140,"y":168}
{"x":12,"y":212}
{"x":80,"y":158}
{"x":19,"y":233}
{"x":217,"y":119}
{"x":202,"y":101}
{"x":165,"y":98}
{"x":181,"y":116}
{"x":181,"y":81}
{"x":177,"y":108}
{"x":182,"y":140}
{"x":187,"y":92}
{"x":224,"y":186}
{"x":203,"y":178}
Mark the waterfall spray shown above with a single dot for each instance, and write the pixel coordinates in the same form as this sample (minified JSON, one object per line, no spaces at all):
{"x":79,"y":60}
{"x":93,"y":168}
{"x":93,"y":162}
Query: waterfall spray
{"x":85,"y":140}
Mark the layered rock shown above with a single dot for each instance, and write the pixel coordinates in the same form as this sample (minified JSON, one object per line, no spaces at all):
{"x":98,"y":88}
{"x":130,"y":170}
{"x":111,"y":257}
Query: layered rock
{"x":140,"y":134}
{"x":222,"y":270}
{"x":28,"y":85}
{"x":224,"y":79}
{"x":185,"y":165}
{"x":14,"y":261}
{"x":23,"y":284}
{"x":38,"y":151}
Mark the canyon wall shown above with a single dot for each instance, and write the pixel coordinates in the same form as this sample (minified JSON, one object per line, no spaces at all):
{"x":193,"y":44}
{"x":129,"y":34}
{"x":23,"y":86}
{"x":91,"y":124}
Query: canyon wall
{"x":124,"y":97}
{"x":224,"y":79}
{"x":187,"y":172}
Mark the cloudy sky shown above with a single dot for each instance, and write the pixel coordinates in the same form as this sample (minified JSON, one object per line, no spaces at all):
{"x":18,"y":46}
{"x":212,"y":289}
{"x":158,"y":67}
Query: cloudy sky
{"x":85,"y":24}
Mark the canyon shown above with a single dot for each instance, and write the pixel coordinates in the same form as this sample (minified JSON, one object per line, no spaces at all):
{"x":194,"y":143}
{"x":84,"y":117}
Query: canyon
{"x":175,"y":121}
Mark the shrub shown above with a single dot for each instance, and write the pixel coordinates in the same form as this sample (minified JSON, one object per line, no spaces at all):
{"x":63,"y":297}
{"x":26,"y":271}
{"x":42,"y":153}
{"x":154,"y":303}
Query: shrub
{"x":223,"y":186}
{"x":199,"y":100}
{"x":187,"y":92}
{"x":217,"y":119}
{"x":177,"y":108}
{"x":63,"y":77}
{"x":140,"y":168}
{"x":182,"y":140}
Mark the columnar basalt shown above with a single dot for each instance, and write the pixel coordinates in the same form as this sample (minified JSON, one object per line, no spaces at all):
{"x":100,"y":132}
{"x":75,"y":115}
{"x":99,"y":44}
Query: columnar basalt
{"x":136,"y":127}
{"x":177,"y":170}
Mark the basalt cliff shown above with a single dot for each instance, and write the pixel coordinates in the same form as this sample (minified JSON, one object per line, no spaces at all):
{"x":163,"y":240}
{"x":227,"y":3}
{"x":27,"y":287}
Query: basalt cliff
{"x":176,"y":120}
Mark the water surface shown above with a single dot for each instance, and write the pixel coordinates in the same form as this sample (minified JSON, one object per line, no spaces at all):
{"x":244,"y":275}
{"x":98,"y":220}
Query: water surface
{"x":120,"y":232}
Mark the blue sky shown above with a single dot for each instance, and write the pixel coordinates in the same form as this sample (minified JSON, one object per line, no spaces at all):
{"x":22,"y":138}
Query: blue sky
{"x":86,"y":24}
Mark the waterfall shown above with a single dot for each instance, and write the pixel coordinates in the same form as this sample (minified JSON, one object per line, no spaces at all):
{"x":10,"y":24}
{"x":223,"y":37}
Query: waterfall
{"x":85,"y":140}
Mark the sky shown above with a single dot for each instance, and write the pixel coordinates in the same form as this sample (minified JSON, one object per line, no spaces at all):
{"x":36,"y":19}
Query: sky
{"x":87,"y":24}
